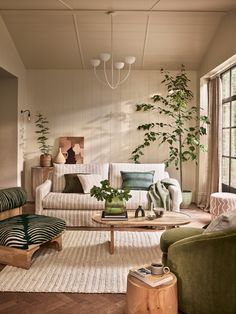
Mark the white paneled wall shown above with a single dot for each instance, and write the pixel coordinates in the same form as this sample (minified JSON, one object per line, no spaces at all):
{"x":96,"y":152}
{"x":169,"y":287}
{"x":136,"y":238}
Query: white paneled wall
{"x":76,"y":104}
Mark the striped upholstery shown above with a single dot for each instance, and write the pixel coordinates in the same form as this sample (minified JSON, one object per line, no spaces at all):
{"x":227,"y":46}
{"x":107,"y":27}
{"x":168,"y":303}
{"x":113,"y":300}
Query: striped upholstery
{"x":12,"y":198}
{"x":25,"y":230}
{"x":115,"y":169}
{"x":60,"y":169}
{"x":66,"y":201}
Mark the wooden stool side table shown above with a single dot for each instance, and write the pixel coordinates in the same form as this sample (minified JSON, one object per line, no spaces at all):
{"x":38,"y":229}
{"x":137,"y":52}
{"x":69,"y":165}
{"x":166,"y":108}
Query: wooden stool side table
{"x":144,"y":299}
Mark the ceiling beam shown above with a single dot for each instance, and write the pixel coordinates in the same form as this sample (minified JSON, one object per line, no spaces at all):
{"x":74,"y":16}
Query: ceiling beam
{"x":145,"y":38}
{"x":68,"y":11}
{"x":78,"y":40}
{"x":76,"y":32}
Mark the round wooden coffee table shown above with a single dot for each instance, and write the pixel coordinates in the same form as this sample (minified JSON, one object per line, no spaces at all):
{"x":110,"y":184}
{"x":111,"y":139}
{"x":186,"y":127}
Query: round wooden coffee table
{"x":168,"y":220}
{"x":141,"y":298}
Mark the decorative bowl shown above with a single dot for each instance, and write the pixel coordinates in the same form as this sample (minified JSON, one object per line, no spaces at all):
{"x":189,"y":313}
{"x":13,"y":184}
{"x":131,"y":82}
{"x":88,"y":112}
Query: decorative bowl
{"x":151,"y":216}
{"x":158,"y":212}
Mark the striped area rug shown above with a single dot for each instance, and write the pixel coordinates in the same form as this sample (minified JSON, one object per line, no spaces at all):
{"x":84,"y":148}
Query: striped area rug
{"x":84,"y":265}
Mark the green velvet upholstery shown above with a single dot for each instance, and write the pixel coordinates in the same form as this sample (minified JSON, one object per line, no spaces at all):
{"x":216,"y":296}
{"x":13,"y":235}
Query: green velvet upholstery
{"x":205,"y":266}
{"x":171,"y":236}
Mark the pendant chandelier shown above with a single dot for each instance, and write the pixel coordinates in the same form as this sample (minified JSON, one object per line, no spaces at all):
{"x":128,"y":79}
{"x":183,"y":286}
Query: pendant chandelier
{"x":116,"y":67}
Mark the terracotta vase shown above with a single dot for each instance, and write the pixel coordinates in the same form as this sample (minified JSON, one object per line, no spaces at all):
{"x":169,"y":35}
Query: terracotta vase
{"x":60,"y":158}
{"x":45,"y":160}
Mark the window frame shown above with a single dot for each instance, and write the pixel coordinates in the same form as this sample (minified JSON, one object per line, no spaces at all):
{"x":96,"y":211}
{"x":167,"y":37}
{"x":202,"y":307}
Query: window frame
{"x":230,"y":99}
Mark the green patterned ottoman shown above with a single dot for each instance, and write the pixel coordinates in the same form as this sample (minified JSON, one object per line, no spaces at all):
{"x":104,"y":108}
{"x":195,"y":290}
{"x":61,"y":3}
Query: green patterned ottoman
{"x":21,"y":236}
{"x":11,"y":202}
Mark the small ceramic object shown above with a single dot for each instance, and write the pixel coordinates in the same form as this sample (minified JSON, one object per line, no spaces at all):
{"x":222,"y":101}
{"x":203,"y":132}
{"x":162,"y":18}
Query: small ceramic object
{"x":60,"y":158}
{"x":138,"y":211}
{"x":158,"y":212}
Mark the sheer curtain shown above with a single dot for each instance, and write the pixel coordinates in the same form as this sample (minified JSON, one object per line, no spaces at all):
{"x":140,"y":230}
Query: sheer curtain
{"x":214,"y":138}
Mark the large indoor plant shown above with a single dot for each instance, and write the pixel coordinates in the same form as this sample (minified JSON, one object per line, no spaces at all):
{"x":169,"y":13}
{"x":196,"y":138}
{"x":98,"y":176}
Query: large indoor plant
{"x":114,"y":198}
{"x":182,"y":127}
{"x":42,"y":131}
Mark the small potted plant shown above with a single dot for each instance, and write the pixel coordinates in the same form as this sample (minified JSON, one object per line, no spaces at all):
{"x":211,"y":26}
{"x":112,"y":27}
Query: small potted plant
{"x":43,"y":130}
{"x":114,"y":198}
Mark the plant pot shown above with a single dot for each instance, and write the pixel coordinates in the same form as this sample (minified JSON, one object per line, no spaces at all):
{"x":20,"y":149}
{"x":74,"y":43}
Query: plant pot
{"x":116,"y":206}
{"x":45,"y":160}
{"x":187,"y":199}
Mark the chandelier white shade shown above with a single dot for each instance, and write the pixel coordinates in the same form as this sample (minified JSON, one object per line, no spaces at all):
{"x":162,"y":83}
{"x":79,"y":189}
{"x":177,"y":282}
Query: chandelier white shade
{"x":115,"y":78}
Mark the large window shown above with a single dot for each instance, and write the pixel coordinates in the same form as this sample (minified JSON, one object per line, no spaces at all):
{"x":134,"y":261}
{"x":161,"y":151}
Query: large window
{"x":229,"y":130}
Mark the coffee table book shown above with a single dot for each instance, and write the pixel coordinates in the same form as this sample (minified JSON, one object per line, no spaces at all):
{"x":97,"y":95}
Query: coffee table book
{"x":145,"y":275}
{"x":122,"y":216}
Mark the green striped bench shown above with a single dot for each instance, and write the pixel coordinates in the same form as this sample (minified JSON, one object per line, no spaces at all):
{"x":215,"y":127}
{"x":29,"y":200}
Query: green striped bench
{"x":21,"y":236}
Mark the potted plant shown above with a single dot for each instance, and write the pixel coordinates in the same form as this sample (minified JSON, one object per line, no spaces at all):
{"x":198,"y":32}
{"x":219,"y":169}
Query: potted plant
{"x":43,"y":130}
{"x":182,"y":128}
{"x":114,"y":198}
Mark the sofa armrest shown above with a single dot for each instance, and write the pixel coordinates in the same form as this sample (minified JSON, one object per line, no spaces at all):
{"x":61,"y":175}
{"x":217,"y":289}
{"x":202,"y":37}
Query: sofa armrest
{"x":205,"y":269}
{"x":176,"y":197}
{"x":41,"y":191}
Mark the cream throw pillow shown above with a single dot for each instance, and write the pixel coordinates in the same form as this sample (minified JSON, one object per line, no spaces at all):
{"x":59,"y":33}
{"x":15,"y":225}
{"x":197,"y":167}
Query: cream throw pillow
{"x":224,"y":221}
{"x":89,"y":180}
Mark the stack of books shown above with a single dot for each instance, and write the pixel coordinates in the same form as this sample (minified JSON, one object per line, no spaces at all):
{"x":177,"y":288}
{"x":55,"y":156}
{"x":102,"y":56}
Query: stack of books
{"x":144,"y":274}
{"x":121,"y":216}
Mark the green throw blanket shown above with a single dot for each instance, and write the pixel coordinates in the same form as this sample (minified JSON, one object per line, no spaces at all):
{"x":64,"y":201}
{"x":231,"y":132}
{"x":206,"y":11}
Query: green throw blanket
{"x":159,"y":195}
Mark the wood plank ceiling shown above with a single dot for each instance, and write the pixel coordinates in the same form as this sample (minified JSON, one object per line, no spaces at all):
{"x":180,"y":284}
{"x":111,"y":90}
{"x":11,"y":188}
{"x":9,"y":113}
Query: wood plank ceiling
{"x":66,"y":34}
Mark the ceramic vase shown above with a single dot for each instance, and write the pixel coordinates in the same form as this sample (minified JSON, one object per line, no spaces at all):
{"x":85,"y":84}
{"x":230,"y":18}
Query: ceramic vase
{"x":187,"y":199}
{"x":60,"y":158}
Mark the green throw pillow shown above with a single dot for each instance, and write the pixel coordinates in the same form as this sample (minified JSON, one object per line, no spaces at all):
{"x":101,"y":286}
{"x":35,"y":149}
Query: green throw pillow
{"x":137,"y":180}
{"x":73,"y":184}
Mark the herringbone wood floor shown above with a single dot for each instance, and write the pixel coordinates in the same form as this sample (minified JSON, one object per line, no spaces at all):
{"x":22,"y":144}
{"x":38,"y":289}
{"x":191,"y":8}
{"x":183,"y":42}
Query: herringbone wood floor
{"x":75,"y":303}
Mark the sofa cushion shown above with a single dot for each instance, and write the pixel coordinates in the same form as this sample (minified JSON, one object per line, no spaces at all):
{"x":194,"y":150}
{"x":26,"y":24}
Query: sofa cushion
{"x":137,"y":180}
{"x":73,"y":184}
{"x":89,"y":180}
{"x":115,"y":169}
{"x":60,"y":169}
{"x":55,"y":200}
{"x":25,"y":230}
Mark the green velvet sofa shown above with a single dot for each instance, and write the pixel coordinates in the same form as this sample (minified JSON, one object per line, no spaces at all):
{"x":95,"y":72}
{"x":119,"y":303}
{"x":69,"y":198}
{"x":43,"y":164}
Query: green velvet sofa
{"x":205,"y":266}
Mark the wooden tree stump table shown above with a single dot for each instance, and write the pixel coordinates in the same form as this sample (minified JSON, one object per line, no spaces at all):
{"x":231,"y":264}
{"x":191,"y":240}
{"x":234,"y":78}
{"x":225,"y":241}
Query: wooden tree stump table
{"x":143,"y":299}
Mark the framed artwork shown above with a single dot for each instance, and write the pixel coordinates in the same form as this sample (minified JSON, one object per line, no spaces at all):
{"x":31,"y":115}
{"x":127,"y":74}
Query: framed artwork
{"x":73,"y":149}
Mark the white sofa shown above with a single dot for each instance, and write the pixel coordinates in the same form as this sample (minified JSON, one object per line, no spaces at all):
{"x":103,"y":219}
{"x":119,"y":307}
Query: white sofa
{"x":78,"y":208}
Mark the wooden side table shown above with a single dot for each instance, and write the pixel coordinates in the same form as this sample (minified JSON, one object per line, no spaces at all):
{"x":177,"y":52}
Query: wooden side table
{"x":38,"y":176}
{"x":141,"y":298}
